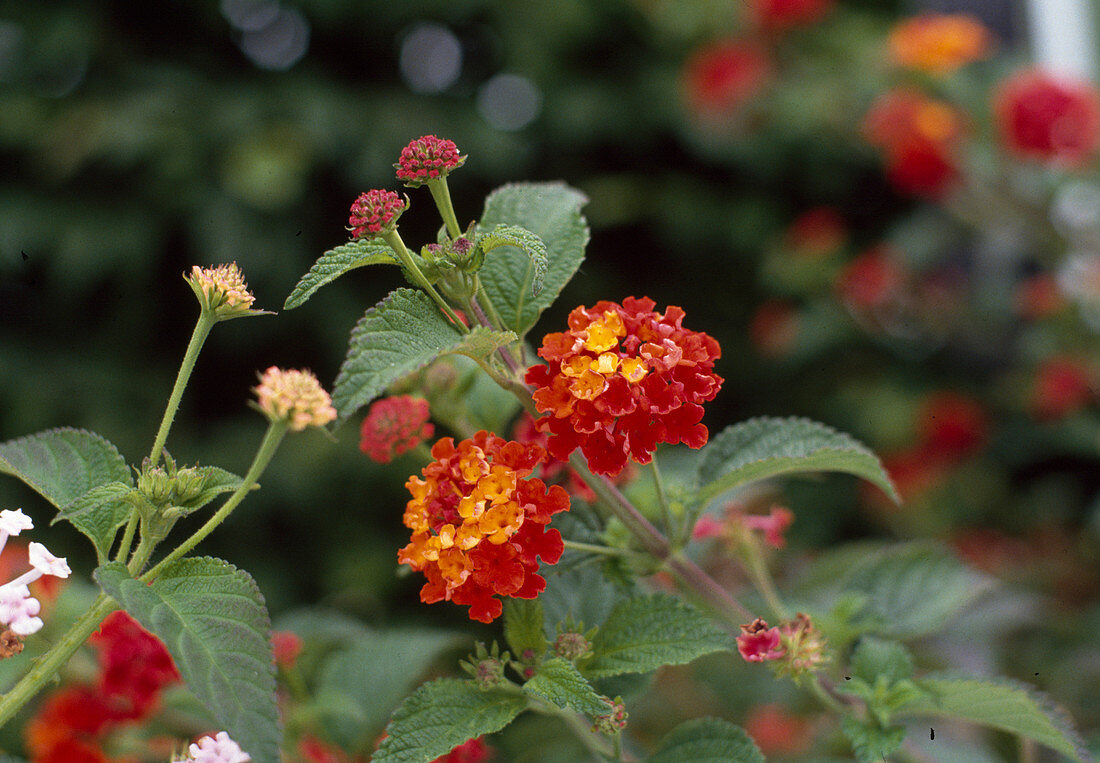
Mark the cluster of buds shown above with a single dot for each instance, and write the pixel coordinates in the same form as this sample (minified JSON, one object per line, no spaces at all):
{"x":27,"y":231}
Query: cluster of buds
{"x":375,"y":212}
{"x":427,"y":158}
{"x":394,"y":425}
{"x":18,"y":609}
{"x":573,"y":645}
{"x":795,"y":647}
{"x":612,"y":722}
{"x":295,"y":397}
{"x":486,"y":665}
{"x":217,"y":749}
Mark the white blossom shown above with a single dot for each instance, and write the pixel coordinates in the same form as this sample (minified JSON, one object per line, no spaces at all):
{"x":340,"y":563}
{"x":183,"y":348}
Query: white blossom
{"x":46,"y":563}
{"x":218,"y":749}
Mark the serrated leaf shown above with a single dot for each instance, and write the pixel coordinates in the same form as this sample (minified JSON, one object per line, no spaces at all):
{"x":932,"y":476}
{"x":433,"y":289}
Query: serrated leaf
{"x":871,"y":742}
{"x":401,"y":334}
{"x":874,"y":658}
{"x":523,"y":627}
{"x":365,"y":680}
{"x":581,"y":595}
{"x":762,"y":448}
{"x":646,"y":632}
{"x":215,"y":482}
{"x":98,"y":514}
{"x":63,"y":464}
{"x":441,"y":715}
{"x":524,"y":240}
{"x":212,"y":618}
{"x":335,"y":262}
{"x":551,"y":211}
{"x":707,"y":740}
{"x":1000,"y":703}
{"x":559,"y":682}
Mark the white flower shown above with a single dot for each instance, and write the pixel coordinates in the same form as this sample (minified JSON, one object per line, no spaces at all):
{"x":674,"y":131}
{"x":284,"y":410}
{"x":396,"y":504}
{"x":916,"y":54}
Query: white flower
{"x":219,"y":749}
{"x":46,"y":563}
{"x":18,"y":610}
{"x":14,"y":522}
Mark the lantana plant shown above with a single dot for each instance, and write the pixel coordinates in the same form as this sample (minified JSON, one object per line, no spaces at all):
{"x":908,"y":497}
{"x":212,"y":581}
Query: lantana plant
{"x":544,"y":512}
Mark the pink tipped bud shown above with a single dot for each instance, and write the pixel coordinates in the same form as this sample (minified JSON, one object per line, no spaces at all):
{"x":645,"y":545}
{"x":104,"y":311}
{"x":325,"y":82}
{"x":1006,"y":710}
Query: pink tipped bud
{"x":221,"y":289}
{"x":773,"y":525}
{"x":295,"y":397}
{"x":427,"y":158}
{"x":286,"y":645}
{"x":394,"y":425}
{"x":375,"y":212}
{"x":758,"y":642}
{"x":613,"y":722}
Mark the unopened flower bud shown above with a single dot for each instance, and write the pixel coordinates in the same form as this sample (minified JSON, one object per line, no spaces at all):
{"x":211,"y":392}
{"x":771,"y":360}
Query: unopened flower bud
{"x":221,"y":291}
{"x":286,"y":645}
{"x":295,"y":397}
{"x":375,"y":212}
{"x":572,"y":646}
{"x":804,"y":645}
{"x":393,"y":426}
{"x":11,"y":644}
{"x":489,"y":673}
{"x":427,"y":158}
{"x":155,"y":484}
{"x":613,"y":722}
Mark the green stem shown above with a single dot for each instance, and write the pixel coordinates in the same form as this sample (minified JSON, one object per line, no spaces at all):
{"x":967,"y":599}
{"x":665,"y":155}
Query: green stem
{"x":393,"y":238}
{"x":662,"y":500}
{"x":46,"y":666}
{"x":592,"y":548}
{"x":576,"y":724}
{"x":127,"y":536}
{"x":441,"y":195}
{"x":198,"y":336}
{"x":817,"y":688}
{"x":762,"y":579}
{"x":276,"y":430}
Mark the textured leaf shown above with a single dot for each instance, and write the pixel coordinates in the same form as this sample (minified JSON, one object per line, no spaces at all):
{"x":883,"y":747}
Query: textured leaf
{"x":558,"y":681}
{"x":212,"y":618}
{"x":874,"y":658}
{"x":524,"y":240}
{"x":707,"y":740}
{"x":98,"y":514}
{"x":870,"y":742}
{"x":63,"y":464}
{"x":362,"y":683}
{"x":1001,"y":704}
{"x":335,"y":262}
{"x":523,"y":627}
{"x":762,"y":448}
{"x":551,"y":211}
{"x":646,"y":632}
{"x":441,"y":715}
{"x":581,"y":595}
{"x":401,"y":334}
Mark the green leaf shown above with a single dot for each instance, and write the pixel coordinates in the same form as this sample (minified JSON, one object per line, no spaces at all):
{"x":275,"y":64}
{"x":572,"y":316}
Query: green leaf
{"x":1000,"y":703}
{"x":441,"y":715}
{"x":212,"y":618}
{"x":646,"y":632}
{"x":98,"y":514}
{"x":525,"y":240}
{"x":361,"y":684}
{"x":707,"y":740}
{"x":558,"y":681}
{"x":335,"y":262}
{"x":875,"y":658}
{"x":523,"y":627}
{"x":216,"y":481}
{"x":401,"y":334}
{"x":872,"y":743}
{"x":61,"y":465}
{"x":581,"y":595}
{"x":550,"y":211}
{"x":762,"y":448}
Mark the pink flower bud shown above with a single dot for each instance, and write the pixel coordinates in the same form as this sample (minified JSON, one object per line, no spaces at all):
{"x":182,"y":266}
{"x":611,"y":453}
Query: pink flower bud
{"x":375,"y":212}
{"x":294,"y":396}
{"x":427,"y":158}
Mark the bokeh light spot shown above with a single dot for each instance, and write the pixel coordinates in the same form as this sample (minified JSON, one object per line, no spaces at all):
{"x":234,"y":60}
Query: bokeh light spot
{"x":430,"y":59}
{"x":509,"y":102}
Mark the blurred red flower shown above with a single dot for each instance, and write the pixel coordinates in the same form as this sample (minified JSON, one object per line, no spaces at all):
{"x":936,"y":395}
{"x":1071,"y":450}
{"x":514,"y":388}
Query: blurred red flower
{"x":1048,"y":118}
{"x":780,"y":15}
{"x":720,"y":76}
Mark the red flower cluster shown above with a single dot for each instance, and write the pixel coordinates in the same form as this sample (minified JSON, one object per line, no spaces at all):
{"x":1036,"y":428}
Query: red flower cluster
{"x":872,"y":279}
{"x":393,"y":426}
{"x":373,"y":212}
{"x":427,"y":158}
{"x":622,"y":380}
{"x":919,"y":137}
{"x":722,"y":75}
{"x":1048,"y":119}
{"x":816,"y":233}
{"x":780,"y":15}
{"x":134,"y":667}
{"x":777,"y":732}
{"x":1063,"y":385}
{"x":479,"y":523}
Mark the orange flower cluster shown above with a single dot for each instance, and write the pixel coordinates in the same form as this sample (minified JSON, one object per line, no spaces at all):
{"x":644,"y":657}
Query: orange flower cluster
{"x":479,"y":523}
{"x":622,"y":380}
{"x":939,"y":43}
{"x":919,"y":137}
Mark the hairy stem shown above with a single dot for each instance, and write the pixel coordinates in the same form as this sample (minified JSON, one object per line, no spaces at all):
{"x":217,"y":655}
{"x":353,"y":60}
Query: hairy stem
{"x":198,"y":336}
{"x":441,"y":195}
{"x":398,"y":246}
